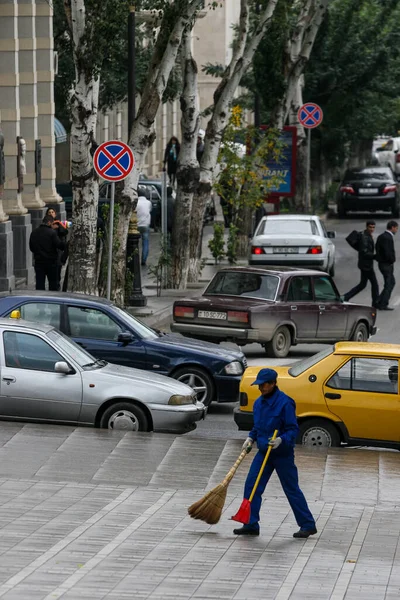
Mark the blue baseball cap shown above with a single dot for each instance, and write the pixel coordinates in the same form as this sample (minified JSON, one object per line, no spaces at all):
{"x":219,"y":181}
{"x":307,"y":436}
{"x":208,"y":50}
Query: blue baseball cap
{"x":265,"y":376}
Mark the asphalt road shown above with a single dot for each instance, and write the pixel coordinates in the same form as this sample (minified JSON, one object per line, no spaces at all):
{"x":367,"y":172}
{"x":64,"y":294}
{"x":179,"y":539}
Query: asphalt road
{"x":219,"y":422}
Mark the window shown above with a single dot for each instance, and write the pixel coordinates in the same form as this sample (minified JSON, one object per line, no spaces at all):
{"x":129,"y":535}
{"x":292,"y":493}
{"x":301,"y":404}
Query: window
{"x":230,"y":283}
{"x":300,"y":290}
{"x":303,"y":365}
{"x":291,"y":226}
{"x":41,"y":312}
{"x":92,"y":323}
{"x":28,"y":351}
{"x":367,"y":375}
{"x":324,"y":290}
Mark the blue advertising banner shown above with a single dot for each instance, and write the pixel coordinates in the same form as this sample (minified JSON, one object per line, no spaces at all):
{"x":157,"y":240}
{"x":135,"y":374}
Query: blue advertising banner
{"x":285,"y":168}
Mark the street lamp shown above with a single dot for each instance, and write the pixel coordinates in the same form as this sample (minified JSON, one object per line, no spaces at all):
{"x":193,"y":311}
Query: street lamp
{"x":137,"y":297}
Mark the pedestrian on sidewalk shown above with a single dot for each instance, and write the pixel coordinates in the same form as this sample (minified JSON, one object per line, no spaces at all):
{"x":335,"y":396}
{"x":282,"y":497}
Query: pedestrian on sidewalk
{"x":386,"y":257}
{"x":44,"y":243}
{"x":275,"y":410}
{"x":366,"y":255}
{"x":143,"y":211}
{"x":62,"y":233}
{"x":171,"y":158}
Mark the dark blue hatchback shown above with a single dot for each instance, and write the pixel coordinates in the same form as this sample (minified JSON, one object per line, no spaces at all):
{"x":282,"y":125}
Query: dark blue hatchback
{"x":111,"y":333}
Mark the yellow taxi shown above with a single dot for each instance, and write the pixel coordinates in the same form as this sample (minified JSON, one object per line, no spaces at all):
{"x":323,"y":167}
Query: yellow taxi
{"x":348,"y":393}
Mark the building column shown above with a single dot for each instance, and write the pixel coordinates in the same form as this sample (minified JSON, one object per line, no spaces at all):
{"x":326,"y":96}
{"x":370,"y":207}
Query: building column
{"x":28,"y":99}
{"x":7,"y":279}
{"x":10,"y":110}
{"x":45,"y":99}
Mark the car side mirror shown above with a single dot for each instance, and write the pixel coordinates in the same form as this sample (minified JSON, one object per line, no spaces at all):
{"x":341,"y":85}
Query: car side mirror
{"x":125,"y":337}
{"x":331,"y":234}
{"x":62,"y":367}
{"x":169,"y":190}
{"x":395,"y":151}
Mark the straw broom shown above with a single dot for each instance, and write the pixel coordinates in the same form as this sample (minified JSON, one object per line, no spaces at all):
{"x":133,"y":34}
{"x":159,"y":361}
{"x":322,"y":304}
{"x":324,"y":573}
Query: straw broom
{"x":209,"y":508}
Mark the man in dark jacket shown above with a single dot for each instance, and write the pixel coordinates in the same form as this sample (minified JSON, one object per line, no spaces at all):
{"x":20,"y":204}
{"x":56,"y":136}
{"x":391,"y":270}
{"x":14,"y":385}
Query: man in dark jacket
{"x":366,"y":255}
{"x":44,"y":244}
{"x":386,"y":257}
{"x":274,"y":410}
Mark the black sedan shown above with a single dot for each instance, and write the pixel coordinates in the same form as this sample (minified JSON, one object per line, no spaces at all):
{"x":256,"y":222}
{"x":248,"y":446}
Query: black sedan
{"x":112,"y":334}
{"x":369,"y":189}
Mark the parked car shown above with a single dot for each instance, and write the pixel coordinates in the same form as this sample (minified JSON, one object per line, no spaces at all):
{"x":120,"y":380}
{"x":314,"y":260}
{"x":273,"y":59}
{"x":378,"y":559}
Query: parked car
{"x":276,"y":308}
{"x":369,"y":189}
{"x":293,"y":240}
{"x":111,"y":333}
{"x":388,"y":155}
{"x":347,"y":393}
{"x":46,"y":377}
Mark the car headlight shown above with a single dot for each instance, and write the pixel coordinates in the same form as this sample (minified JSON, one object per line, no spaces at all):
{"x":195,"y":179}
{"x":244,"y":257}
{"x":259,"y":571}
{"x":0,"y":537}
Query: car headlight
{"x":234,"y":368}
{"x":180,"y":400}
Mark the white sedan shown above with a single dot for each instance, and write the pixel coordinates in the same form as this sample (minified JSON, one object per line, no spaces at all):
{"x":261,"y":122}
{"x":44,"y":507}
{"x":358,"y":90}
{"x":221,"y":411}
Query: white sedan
{"x":388,"y":155}
{"x":295,"y":241}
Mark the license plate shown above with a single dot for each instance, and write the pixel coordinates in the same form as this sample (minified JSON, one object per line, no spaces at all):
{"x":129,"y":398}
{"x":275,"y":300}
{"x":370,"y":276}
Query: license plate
{"x":210,"y":314}
{"x":286,"y":250}
{"x":368,"y":190}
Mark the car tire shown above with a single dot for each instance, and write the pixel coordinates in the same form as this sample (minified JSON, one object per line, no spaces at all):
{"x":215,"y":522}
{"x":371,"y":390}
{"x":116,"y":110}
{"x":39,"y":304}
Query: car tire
{"x":332,"y":270}
{"x":396,"y":211}
{"x":360,"y":333}
{"x":341,"y":211}
{"x":280,"y":344}
{"x":318,"y":433}
{"x":199,"y":380}
{"x":124,"y":416}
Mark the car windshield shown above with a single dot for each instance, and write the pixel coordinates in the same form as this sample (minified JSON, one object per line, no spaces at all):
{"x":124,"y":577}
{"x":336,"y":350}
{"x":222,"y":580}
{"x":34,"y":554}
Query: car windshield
{"x":289,"y":227}
{"x":366,"y":174}
{"x":309,"y":362}
{"x":138,"y":327}
{"x":74,"y":351}
{"x":236,"y":283}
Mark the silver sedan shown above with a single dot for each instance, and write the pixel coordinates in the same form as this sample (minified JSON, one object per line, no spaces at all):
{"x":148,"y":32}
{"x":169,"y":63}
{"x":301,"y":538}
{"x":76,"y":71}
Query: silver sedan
{"x":46,"y":377}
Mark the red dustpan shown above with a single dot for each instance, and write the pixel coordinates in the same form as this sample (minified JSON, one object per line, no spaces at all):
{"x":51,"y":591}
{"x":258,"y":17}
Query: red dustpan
{"x":243,"y":514}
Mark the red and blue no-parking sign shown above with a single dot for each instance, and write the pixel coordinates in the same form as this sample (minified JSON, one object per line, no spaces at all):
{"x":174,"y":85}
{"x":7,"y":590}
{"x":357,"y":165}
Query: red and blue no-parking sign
{"x":310,"y":115}
{"x":113,"y":160}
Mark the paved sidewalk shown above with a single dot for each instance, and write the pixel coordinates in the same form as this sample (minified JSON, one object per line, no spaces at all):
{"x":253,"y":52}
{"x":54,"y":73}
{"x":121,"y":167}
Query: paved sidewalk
{"x":102,"y":515}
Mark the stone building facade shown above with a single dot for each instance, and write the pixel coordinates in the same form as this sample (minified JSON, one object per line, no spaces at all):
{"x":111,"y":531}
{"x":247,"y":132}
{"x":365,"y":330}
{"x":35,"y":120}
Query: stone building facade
{"x":26,"y":116}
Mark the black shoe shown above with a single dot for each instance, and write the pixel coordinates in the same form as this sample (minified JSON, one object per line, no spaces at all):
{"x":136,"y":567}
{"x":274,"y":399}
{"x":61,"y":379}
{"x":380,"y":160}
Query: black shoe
{"x":246,"y":531}
{"x":305,"y":533}
{"x":386,"y":308}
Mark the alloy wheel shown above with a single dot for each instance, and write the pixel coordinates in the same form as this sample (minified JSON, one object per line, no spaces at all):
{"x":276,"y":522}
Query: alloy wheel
{"x":197,"y":383}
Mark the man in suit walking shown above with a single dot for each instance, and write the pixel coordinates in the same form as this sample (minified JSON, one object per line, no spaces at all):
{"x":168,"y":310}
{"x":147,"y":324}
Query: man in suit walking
{"x":366,"y":254}
{"x":386,"y":257}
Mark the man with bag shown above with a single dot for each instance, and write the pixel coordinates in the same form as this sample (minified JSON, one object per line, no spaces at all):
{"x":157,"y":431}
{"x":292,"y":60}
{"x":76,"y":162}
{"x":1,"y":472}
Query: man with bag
{"x":275,"y":410}
{"x":365,"y":245}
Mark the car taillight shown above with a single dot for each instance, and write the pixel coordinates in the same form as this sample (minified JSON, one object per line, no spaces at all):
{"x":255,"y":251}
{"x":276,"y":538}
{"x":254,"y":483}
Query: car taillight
{"x":315,"y":250}
{"x":257,"y":250}
{"x":398,"y":157}
{"x":347,"y":189}
{"x":389,"y":188}
{"x":184,"y":311}
{"x":238,"y":316}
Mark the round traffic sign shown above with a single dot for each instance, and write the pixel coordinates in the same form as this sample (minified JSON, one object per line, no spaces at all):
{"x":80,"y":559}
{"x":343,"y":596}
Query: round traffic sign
{"x":310,"y":115}
{"x":113,"y":160}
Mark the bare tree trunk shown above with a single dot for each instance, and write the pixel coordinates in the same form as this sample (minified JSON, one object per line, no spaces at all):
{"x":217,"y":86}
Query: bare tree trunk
{"x":84,"y":103}
{"x":242,"y":57}
{"x":244,"y":224}
{"x":142,"y":135}
{"x":299,"y":199}
{"x":188,"y":173}
{"x":298,"y":52}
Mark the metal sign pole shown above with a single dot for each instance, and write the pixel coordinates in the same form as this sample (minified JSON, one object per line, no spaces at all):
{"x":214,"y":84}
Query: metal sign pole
{"x":308,"y":168}
{"x":164,"y":224}
{"x":110,"y":240}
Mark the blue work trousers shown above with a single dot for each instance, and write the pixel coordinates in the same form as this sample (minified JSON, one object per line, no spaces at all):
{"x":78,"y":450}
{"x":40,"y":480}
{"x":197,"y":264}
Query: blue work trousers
{"x":286,"y":470}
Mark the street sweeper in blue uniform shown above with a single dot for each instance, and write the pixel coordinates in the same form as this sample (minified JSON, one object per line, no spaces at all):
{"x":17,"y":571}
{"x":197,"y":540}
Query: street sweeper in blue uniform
{"x":274,"y":410}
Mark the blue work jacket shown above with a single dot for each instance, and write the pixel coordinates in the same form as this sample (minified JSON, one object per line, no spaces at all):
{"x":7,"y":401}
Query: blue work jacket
{"x":276,"y":412}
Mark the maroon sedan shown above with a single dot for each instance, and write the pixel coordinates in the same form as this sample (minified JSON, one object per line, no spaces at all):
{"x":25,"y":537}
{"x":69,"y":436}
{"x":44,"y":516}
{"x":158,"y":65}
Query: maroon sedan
{"x":276,"y":308}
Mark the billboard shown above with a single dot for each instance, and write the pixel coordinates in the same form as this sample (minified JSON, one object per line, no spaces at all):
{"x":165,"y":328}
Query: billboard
{"x":285,"y":168}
